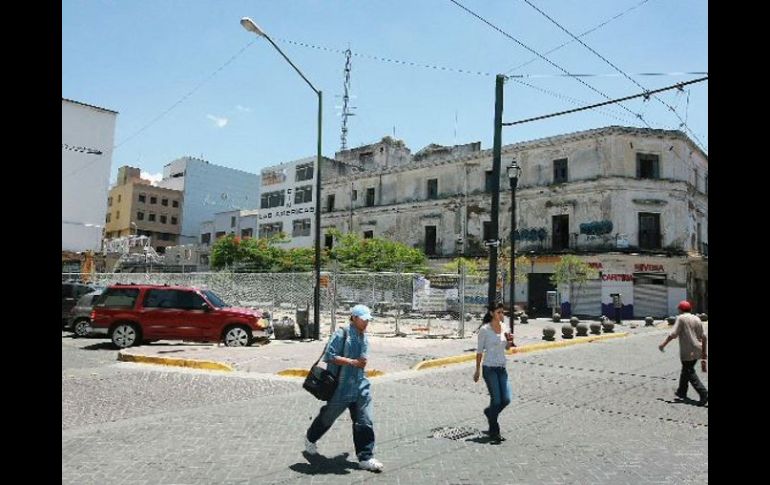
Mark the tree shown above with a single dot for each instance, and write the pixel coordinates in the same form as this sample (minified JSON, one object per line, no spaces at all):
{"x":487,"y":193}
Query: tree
{"x":472,"y":266}
{"x":522,"y":265}
{"x":375,"y":254}
{"x":573,"y":272}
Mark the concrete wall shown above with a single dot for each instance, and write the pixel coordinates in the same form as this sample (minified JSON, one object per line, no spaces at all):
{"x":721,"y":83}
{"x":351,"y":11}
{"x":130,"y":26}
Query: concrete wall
{"x":88,"y":135}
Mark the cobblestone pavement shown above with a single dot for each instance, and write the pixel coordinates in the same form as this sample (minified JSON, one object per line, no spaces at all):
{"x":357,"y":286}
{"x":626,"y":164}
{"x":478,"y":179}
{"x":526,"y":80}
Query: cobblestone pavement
{"x":596,"y":413}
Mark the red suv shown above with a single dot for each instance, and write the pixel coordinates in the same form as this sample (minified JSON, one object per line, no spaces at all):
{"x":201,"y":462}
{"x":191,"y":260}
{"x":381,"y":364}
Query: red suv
{"x":131,"y":314}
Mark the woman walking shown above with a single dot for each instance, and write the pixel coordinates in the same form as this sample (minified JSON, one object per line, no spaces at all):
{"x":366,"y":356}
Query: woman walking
{"x":492,"y":344}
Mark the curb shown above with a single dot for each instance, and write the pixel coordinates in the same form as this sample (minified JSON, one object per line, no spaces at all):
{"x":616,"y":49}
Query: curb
{"x":191,"y":363}
{"x":304,"y":372}
{"x":456,"y":359}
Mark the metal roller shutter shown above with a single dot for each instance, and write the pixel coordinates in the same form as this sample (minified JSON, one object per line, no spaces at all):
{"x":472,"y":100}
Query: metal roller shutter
{"x":588,"y":299}
{"x":650,"y":296}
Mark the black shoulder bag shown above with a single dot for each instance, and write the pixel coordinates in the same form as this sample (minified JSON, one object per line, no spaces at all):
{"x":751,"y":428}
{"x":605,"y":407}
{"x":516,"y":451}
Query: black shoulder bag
{"x":320,"y":382}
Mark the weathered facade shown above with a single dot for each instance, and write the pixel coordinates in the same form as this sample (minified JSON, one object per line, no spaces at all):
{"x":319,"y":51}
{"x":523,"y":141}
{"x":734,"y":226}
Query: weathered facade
{"x":635,"y":192}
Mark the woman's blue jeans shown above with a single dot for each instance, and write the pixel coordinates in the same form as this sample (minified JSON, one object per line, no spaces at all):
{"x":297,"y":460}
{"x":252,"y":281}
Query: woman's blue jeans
{"x":499,"y":389}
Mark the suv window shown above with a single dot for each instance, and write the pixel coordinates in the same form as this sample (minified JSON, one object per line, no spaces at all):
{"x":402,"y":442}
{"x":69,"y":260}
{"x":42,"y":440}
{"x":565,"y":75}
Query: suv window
{"x":214,"y":299}
{"x":119,"y":298}
{"x":180,"y":299}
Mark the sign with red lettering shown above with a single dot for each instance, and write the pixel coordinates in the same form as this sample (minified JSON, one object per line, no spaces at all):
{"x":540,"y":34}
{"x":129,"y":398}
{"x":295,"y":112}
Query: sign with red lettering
{"x":617,"y":277}
{"x":649,"y":268}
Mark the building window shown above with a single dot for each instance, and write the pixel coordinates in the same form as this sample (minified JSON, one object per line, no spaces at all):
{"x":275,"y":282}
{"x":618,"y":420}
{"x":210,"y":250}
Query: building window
{"x":109,"y":216}
{"x":139,"y":216}
{"x":153,"y":199}
{"x":117,"y":215}
{"x":430,"y":240}
{"x":232,"y":221}
{"x":304,"y":172}
{"x":329,"y":202}
{"x":370,"y":197}
{"x":488,"y":181}
{"x":368,"y":234}
{"x":364,"y":158}
{"x":270,"y":229}
{"x":303,"y":194}
{"x":432,"y":189}
{"x":219,"y":234}
{"x":151,"y":217}
{"x":164,"y":201}
{"x":118,"y":198}
{"x":273,"y":199}
{"x":162,"y":219}
{"x":328,"y":241}
{"x":174,"y":203}
{"x":649,"y":231}
{"x":647,"y":166}
{"x":272,"y":177}
{"x":355,"y":195}
{"x":109,"y":201}
{"x":248,"y":232}
{"x":173,"y":220}
{"x":560,"y":232}
{"x":300,"y":227}
{"x":142,"y":198}
{"x":206,"y":238}
{"x":560,"y":171}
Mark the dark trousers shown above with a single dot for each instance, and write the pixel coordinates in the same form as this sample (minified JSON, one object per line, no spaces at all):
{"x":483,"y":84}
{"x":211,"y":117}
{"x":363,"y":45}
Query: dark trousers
{"x":689,"y":375}
{"x":360,"y":414}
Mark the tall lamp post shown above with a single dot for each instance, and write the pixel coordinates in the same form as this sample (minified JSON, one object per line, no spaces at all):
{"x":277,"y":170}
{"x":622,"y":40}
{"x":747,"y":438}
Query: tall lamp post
{"x":513,"y":175}
{"x":249,"y":25}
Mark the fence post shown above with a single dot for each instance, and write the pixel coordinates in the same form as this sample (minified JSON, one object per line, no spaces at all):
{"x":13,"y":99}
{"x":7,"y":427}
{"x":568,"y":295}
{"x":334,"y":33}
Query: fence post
{"x":462,"y":301}
{"x":333,"y":286}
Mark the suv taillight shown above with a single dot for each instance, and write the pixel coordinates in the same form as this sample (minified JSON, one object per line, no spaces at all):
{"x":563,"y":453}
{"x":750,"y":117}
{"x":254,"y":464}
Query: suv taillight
{"x":93,"y":315}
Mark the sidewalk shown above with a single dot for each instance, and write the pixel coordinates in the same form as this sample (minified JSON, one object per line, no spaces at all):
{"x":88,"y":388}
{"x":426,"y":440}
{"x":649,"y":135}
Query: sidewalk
{"x":388,"y":353}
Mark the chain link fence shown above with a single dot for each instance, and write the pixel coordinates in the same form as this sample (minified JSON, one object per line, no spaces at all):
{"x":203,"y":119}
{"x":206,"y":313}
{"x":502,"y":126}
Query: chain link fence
{"x":403,"y":303}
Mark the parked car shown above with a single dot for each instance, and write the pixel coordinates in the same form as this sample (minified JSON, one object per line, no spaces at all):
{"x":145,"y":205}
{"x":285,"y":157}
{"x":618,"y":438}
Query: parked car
{"x":80,"y":315}
{"x":131,"y":314}
{"x":71,"y":291}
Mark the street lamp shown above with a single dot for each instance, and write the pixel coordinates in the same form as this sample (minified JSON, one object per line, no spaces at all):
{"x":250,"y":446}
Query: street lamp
{"x":249,"y":25}
{"x":513,"y":175}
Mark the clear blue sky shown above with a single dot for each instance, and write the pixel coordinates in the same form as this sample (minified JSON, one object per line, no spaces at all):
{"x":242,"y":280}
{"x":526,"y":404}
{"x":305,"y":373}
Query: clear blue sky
{"x":187,"y":79}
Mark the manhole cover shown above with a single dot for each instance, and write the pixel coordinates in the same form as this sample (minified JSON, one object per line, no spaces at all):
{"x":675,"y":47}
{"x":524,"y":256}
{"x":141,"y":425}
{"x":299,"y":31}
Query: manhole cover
{"x":454,"y":433}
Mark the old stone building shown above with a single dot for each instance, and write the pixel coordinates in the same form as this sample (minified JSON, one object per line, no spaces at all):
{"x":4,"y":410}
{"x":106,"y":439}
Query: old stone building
{"x":631,"y":201}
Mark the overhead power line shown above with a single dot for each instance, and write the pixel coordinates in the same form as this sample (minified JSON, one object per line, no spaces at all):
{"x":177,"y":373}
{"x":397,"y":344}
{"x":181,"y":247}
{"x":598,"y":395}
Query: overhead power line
{"x":593,"y":51}
{"x":506,"y":34}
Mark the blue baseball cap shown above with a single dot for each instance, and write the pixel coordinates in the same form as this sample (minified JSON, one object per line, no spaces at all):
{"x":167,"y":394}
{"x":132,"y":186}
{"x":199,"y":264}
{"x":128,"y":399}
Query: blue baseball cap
{"x":361,"y":311}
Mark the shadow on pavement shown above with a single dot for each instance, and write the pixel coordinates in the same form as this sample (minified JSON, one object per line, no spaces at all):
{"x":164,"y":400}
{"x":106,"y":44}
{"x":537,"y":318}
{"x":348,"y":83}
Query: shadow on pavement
{"x":687,"y":400}
{"x":320,"y":465}
{"x":484,"y":440}
{"x":100,"y":346}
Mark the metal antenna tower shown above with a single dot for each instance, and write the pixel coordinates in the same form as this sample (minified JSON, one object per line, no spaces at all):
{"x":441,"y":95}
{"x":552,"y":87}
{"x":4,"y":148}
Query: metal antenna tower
{"x":346,"y":108}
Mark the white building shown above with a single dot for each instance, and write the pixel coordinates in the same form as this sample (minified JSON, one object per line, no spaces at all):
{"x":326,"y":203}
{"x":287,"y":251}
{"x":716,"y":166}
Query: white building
{"x":631,"y":201}
{"x":208,"y":189}
{"x":87,"y":138}
{"x":287,"y":199}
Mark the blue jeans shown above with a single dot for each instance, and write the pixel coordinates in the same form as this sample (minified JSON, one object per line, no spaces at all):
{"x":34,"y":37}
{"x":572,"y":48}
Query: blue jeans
{"x":499,"y":389}
{"x":360,"y":414}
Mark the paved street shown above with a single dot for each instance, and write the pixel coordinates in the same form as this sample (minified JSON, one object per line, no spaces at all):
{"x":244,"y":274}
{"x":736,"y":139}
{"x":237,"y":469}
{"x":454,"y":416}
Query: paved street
{"x":594,"y":413}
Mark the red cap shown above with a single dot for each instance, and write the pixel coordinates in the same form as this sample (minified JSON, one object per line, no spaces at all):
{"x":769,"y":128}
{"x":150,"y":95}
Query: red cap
{"x":685,"y":306}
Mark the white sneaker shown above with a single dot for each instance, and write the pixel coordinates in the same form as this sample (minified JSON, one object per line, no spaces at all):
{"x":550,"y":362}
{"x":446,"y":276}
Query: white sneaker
{"x":310,"y":447}
{"x":372,"y":464}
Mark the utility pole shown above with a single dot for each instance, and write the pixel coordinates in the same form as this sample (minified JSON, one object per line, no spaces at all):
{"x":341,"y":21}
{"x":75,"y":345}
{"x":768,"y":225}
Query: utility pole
{"x":494,"y":242}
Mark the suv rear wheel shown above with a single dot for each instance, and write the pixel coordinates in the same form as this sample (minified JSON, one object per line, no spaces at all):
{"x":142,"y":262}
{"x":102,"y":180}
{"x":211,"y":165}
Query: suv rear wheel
{"x":237,"y":336}
{"x":81,"y":327}
{"x":125,"y":335}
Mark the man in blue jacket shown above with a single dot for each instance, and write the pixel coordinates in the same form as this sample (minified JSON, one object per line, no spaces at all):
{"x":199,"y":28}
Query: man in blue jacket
{"x":353,"y":391}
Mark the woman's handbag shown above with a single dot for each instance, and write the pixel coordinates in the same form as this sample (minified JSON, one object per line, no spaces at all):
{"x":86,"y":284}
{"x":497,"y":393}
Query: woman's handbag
{"x":320,"y":382}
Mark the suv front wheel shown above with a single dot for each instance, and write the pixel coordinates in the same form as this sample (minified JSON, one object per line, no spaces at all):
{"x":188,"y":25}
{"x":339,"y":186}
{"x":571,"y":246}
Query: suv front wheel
{"x":237,"y":336}
{"x":125,"y":335}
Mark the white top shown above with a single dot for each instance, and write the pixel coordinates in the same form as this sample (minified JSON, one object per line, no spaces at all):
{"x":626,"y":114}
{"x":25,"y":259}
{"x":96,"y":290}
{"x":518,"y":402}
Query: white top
{"x":494,"y":344}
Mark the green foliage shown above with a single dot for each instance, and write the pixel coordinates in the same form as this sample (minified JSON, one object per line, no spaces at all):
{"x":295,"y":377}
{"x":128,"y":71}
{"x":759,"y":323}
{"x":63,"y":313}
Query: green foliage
{"x":472,"y":266}
{"x":260,"y":255}
{"x":376,"y":254}
{"x":522,"y":265}
{"x":572,"y":270}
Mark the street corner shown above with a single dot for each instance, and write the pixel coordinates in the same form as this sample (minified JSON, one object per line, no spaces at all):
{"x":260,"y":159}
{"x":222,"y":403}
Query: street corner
{"x":127,"y":356}
{"x":302,"y":373}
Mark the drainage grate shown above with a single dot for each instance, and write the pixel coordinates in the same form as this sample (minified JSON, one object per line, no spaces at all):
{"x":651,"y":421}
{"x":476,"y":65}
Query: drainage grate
{"x":454,"y":433}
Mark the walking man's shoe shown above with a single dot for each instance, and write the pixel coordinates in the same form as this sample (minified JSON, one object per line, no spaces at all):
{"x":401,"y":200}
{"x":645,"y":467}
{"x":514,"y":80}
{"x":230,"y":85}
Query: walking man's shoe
{"x":703,"y":400}
{"x":680,"y":395}
{"x":372,"y":464}
{"x":310,"y":447}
